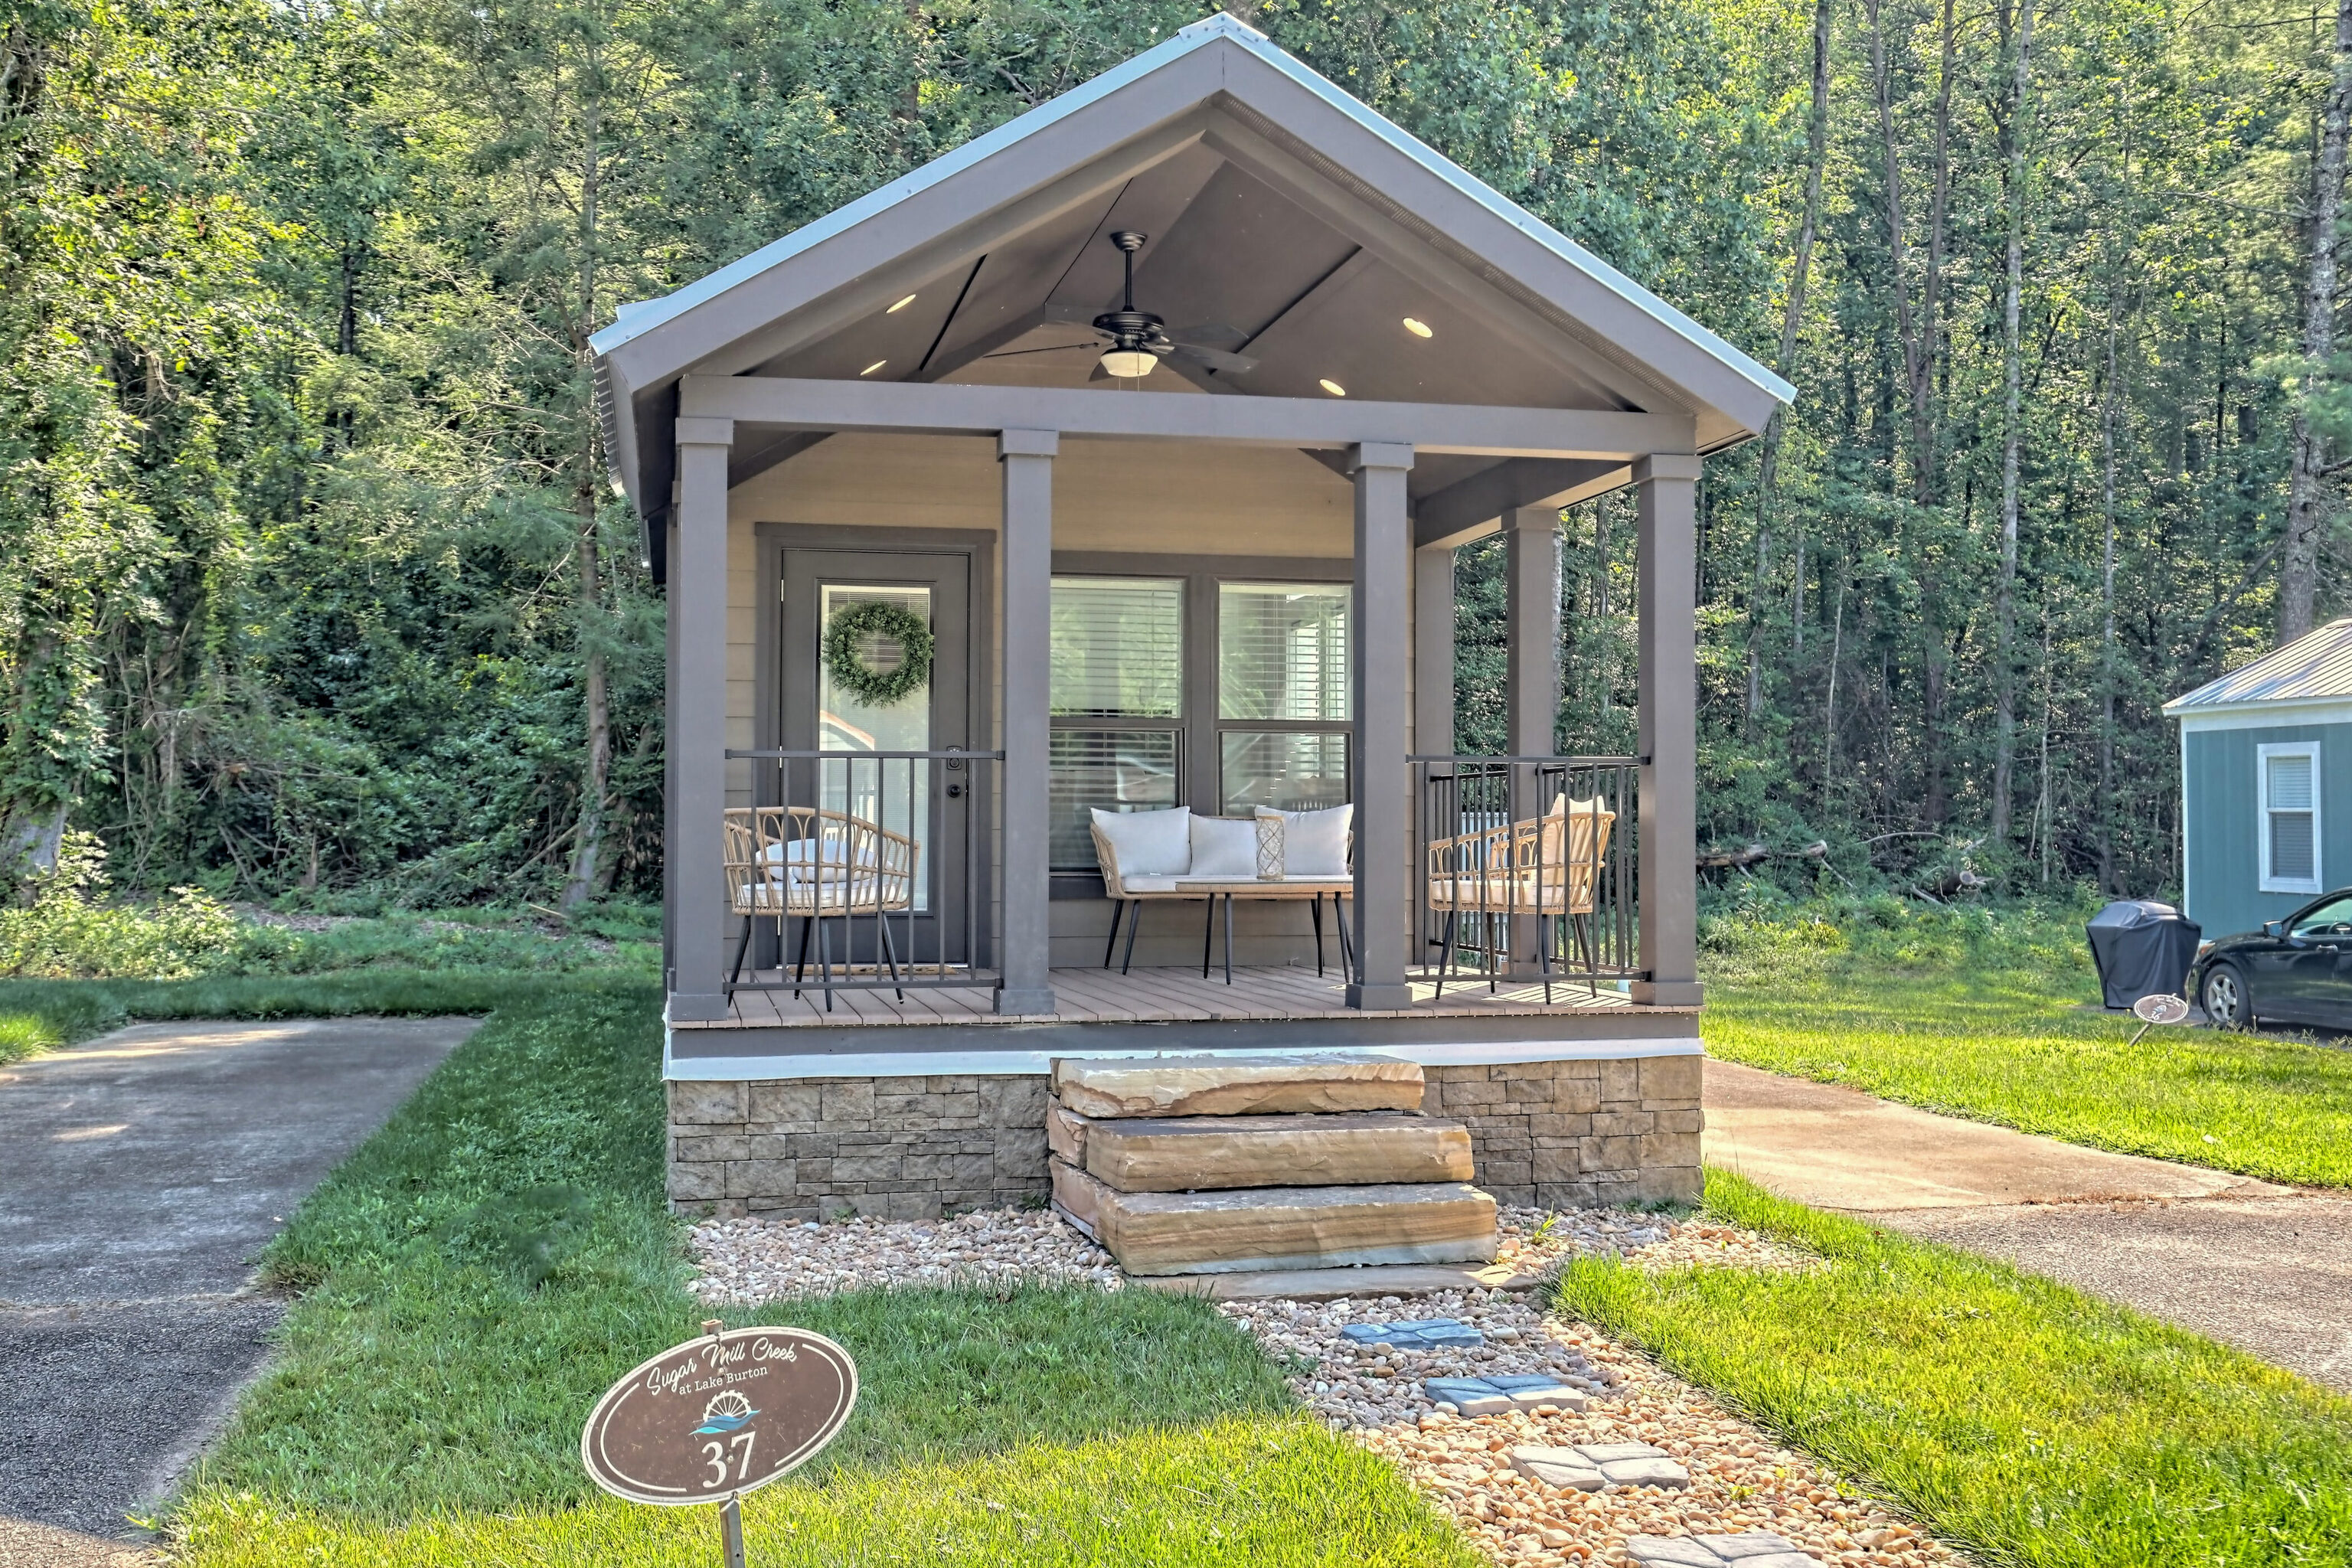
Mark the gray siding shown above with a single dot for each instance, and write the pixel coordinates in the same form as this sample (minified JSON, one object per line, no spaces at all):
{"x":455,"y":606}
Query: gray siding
{"x":2220,"y":803}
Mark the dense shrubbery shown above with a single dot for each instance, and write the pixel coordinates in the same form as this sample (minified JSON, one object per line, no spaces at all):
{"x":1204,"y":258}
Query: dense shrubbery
{"x":64,"y":927}
{"x":1754,"y":928}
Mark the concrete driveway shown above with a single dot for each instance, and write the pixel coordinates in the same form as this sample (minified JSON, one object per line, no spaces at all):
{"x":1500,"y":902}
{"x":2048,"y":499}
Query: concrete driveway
{"x":2262,"y":1267}
{"x":144,"y":1173}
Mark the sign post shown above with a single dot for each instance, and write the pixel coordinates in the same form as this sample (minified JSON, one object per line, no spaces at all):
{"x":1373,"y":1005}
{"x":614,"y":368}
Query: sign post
{"x":708,"y":1420}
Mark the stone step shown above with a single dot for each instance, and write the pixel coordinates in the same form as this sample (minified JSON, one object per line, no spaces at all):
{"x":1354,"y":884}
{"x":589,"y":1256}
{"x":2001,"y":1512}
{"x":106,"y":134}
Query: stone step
{"x":1279,"y":1227}
{"x":1363,"y":1148}
{"x":1236,"y":1086}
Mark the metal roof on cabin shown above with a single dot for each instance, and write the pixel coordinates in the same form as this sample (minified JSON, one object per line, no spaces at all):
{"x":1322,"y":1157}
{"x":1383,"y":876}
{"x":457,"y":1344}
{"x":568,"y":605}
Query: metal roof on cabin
{"x":2316,"y":665}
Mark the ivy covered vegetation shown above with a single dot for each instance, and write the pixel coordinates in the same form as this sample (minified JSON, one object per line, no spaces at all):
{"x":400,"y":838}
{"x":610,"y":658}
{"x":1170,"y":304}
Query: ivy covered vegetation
{"x":311,"y":581}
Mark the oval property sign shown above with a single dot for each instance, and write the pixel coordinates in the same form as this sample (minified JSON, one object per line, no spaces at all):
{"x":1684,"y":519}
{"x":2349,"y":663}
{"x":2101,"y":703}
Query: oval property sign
{"x":718,"y":1416}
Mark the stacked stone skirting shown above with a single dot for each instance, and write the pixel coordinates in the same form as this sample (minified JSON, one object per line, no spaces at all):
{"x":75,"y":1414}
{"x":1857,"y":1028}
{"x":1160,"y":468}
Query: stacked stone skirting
{"x":1554,"y":1133}
{"x":1577,"y":1133}
{"x":898,"y":1148}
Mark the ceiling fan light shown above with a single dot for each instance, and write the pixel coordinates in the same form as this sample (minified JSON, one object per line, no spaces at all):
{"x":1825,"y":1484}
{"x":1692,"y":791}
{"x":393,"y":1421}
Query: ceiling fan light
{"x":870,"y":369}
{"x":1418,"y":329}
{"x":899,"y":306}
{"x":1333,"y":387}
{"x":1129,"y":364}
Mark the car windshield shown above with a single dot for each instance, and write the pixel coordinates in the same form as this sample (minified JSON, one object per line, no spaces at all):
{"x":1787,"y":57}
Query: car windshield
{"x":2333,"y":918}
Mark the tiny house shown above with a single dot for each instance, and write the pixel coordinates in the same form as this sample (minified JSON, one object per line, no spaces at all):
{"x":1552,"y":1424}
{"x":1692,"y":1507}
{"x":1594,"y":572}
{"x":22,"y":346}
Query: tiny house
{"x":2266,"y":784}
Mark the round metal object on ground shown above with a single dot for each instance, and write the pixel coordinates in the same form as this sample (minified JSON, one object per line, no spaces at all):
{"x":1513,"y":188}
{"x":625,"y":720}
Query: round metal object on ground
{"x":718,"y":1416}
{"x":2160,"y":1009}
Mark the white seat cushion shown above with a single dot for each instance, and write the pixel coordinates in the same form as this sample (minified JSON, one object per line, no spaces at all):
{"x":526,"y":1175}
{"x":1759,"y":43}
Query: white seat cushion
{"x":1149,"y":843}
{"x":1151,"y":884}
{"x":1224,"y":847}
{"x":1314,"y":843}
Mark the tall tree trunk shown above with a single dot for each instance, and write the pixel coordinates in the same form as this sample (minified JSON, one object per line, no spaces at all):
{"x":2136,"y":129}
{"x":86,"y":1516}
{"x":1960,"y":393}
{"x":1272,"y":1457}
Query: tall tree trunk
{"x":585,"y":879}
{"x":1817,"y":138}
{"x":1915,"y":362}
{"x":2107,"y":617}
{"x":2299,"y":562}
{"x":2012,"y":374}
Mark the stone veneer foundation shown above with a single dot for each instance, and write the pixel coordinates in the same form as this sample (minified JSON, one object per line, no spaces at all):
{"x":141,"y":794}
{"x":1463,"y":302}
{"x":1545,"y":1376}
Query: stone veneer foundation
{"x":1552,"y":1133}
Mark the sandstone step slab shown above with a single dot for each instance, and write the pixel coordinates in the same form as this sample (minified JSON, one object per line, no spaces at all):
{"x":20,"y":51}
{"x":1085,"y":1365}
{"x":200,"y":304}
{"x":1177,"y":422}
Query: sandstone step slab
{"x":1066,"y":1133}
{"x":1356,"y":1282}
{"x":1236,"y":1086}
{"x":1280,"y":1227}
{"x":1345,"y":1149}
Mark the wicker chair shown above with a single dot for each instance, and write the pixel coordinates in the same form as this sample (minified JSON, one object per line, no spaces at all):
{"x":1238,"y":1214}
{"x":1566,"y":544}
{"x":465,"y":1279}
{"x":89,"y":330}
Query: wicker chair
{"x":798,"y":862}
{"x":1547,"y":867}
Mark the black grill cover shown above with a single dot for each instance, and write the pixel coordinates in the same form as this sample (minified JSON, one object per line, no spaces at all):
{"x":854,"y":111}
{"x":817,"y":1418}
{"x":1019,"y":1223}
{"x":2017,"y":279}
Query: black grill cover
{"x":2142,"y":948}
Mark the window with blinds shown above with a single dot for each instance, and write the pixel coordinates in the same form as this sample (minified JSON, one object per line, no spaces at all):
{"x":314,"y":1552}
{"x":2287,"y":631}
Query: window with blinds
{"x":1118,"y":647}
{"x":1281,"y":651}
{"x":1118,"y":696}
{"x":2290,"y":817}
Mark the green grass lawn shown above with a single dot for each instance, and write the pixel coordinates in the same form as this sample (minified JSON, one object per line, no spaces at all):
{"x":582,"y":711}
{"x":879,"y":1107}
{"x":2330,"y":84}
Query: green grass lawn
{"x":1995,"y":1030}
{"x":2036,"y":1424}
{"x":480,"y":1271}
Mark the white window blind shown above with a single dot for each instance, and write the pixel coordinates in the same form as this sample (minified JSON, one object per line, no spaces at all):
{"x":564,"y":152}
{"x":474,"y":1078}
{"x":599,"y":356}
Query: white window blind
{"x":1117,"y":647}
{"x":1281,"y":651}
{"x":2290,"y":788}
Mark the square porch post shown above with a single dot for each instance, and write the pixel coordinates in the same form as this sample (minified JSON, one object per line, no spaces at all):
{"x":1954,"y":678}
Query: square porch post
{"x":1433,"y":650}
{"x":1667,"y":487}
{"x":697,"y":723}
{"x":1378,"y":667}
{"x":1024,"y":953}
{"x":1531,"y":679}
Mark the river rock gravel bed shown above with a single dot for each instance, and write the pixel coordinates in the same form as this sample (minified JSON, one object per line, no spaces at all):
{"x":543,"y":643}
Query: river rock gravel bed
{"x":761,"y":1260}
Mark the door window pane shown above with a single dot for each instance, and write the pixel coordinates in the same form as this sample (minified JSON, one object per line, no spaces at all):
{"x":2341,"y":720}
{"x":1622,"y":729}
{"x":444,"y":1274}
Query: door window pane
{"x":1118,"y":647}
{"x":1281,"y":651}
{"x":1117,"y":769}
{"x":893,"y":793}
{"x":1290,"y":772}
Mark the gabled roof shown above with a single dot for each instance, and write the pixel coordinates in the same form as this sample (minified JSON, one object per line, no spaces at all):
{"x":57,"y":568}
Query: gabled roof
{"x":2314,"y":667}
{"x":1294,"y":216}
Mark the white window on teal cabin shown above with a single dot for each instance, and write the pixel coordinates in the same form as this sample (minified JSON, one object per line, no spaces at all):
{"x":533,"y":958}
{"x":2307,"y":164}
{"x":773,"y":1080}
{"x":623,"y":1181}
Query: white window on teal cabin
{"x":2287,"y":775}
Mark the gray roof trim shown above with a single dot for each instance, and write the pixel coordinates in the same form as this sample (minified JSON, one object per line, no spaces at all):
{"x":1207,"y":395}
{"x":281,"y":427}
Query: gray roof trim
{"x":635,"y":320}
{"x":2314,"y":667}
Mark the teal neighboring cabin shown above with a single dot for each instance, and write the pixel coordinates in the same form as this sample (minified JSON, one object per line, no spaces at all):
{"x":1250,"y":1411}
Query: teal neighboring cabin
{"x":2266,"y":784}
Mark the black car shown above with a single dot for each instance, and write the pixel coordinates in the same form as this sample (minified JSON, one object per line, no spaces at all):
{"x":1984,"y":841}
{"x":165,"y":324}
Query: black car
{"x":2297,"y":970}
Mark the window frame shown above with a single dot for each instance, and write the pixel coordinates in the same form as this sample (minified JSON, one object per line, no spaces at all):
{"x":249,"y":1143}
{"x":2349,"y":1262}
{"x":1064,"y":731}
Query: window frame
{"x":2269,"y":882}
{"x":1200,"y":743}
{"x":1220,"y":726}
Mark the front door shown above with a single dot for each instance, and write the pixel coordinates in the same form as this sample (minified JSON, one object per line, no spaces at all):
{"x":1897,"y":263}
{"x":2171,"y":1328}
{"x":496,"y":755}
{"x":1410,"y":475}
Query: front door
{"x":843,"y":716}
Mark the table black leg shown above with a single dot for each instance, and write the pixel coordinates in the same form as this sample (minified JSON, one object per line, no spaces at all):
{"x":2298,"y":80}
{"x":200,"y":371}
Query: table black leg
{"x":1208,"y":935}
{"x":1229,"y":939}
{"x":1314,"y":909}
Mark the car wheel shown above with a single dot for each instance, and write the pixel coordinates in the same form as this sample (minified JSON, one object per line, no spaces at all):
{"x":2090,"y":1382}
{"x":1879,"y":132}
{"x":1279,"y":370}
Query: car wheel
{"x":2228,"y":1004}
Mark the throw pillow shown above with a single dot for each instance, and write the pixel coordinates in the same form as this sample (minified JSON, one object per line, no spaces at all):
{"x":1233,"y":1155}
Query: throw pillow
{"x":1314,"y":843}
{"x":1149,"y":843}
{"x":1225,"y":848}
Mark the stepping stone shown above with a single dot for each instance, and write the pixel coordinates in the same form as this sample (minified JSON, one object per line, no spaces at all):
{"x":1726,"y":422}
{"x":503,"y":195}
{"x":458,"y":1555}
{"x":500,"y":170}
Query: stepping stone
{"x":1485,"y":1395}
{"x":1591,"y":1466}
{"x":1415,"y":1334}
{"x":1236,"y":1086}
{"x":1279,"y":1227}
{"x":1755,"y":1549}
{"x":1186,"y":1153}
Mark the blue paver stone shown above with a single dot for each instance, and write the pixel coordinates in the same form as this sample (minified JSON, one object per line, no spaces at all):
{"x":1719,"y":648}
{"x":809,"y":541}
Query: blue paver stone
{"x":1422,"y":1334}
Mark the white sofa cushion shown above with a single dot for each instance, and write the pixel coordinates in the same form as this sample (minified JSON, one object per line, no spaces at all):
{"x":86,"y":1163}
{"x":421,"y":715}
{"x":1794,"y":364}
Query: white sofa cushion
{"x":1314,"y":843}
{"x":1224,"y":847}
{"x":1149,"y":843}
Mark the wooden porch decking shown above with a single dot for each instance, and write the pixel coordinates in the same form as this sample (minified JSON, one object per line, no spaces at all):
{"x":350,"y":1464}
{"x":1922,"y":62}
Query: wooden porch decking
{"x":1161,"y":996}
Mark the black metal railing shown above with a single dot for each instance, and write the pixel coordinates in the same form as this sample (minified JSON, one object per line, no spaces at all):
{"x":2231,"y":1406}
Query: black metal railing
{"x":1523,"y":868}
{"x":863,"y":871}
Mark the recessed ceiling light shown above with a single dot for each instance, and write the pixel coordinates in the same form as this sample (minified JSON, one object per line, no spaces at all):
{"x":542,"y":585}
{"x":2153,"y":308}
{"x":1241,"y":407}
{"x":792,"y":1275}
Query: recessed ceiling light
{"x":1418,"y":329}
{"x":1334,"y":388}
{"x":910,"y":299}
{"x":870,"y":369}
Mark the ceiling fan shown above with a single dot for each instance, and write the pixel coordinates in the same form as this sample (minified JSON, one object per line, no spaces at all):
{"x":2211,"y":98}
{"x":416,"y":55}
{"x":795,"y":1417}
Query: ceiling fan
{"x":1140,"y":340}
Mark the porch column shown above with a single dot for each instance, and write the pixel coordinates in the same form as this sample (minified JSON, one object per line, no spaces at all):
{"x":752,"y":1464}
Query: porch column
{"x":697,"y":723}
{"x":1667,"y":491}
{"x":1531,"y":567}
{"x":1023,"y":944}
{"x":1379,"y":665}
{"x":1433,"y":650}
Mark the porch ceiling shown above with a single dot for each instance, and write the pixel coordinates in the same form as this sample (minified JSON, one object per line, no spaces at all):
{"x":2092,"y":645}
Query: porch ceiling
{"x":1297,"y":226}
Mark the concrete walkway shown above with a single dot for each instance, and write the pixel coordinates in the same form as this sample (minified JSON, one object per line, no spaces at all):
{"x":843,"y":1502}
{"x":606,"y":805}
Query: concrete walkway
{"x":2265,"y":1268}
{"x":144,"y":1173}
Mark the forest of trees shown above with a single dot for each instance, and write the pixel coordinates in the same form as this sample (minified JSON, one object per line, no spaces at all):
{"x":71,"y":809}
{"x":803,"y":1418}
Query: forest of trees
{"x":310,"y":579}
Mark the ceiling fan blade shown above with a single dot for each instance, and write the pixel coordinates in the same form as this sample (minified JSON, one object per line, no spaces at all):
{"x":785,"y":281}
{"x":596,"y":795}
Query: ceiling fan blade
{"x":1210,"y":332}
{"x":1216,"y":359}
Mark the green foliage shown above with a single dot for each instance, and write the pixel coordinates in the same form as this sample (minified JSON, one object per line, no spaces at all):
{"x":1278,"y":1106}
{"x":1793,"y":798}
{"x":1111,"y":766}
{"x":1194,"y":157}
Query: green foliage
{"x":64,"y":928}
{"x":1992,"y":1014}
{"x":2032,"y":1423}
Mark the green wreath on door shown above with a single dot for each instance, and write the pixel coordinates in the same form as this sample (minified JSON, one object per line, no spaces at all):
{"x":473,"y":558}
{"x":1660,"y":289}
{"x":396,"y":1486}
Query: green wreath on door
{"x":845,"y":636}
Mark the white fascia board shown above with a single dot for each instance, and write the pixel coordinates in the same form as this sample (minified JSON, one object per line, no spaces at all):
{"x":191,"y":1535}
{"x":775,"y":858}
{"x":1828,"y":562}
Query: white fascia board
{"x":1016,"y":1063}
{"x":2262,"y":715}
{"x":639,"y":318}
